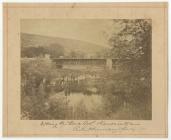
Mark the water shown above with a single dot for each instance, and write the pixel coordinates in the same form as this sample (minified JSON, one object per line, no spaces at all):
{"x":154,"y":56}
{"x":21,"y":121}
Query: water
{"x":90,"y":102}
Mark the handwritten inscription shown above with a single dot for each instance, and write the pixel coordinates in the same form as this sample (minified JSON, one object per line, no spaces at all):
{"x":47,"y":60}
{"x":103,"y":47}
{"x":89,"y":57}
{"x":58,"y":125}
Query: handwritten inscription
{"x":93,"y":125}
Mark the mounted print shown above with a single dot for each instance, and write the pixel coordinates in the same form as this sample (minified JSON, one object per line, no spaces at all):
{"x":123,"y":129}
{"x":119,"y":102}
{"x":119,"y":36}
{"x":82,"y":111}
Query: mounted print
{"x":85,"y":70}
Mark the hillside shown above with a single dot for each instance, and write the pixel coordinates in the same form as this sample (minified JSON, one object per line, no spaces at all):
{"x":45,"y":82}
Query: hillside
{"x":32,"y":40}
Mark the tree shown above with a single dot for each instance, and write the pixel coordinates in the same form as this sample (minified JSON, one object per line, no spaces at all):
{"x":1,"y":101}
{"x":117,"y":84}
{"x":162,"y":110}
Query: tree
{"x":55,"y":50}
{"x":133,"y":42}
{"x":132,"y":46}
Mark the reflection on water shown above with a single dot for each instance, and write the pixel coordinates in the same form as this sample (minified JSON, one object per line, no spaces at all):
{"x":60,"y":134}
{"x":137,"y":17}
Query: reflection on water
{"x":74,"y":99}
{"x":77,"y":96}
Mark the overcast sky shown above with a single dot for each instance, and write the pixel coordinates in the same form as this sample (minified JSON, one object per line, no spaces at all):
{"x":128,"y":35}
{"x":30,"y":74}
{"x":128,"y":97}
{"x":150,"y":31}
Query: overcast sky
{"x":95,"y":31}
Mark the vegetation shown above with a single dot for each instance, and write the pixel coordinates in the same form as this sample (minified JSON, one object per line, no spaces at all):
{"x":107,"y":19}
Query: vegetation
{"x":122,"y":93}
{"x":132,"y":45}
{"x":54,"y":50}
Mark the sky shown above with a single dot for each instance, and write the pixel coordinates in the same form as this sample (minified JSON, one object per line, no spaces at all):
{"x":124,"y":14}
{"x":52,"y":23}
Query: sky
{"x":96,"y":31}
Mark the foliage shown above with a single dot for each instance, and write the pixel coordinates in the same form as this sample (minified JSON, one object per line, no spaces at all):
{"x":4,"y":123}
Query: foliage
{"x":133,"y":41}
{"x":35,"y":75}
{"x":126,"y":92}
{"x":54,"y":50}
{"x":132,"y":86}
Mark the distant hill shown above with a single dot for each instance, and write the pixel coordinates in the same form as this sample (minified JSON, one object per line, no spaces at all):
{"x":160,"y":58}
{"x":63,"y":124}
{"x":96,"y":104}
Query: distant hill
{"x":32,"y":40}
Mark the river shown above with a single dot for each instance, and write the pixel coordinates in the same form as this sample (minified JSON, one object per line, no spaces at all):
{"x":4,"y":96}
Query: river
{"x":78,"y":105}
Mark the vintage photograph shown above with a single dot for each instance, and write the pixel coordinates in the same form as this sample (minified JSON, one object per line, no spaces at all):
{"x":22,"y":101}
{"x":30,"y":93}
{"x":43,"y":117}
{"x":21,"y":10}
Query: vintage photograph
{"x":86,"y":69}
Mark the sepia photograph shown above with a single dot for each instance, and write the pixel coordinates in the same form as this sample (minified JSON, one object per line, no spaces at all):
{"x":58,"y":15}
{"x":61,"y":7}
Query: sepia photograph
{"x":86,"y":69}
